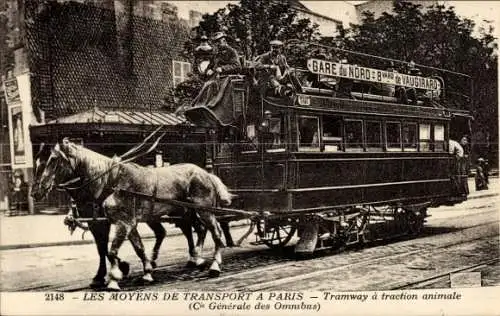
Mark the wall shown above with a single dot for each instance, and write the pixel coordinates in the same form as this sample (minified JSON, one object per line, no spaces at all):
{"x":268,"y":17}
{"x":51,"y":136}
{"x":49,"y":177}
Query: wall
{"x":379,"y":7}
{"x":340,"y":11}
{"x":81,"y":57}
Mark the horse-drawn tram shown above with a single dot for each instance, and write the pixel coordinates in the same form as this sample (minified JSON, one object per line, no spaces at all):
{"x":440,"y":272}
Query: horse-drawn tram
{"x":352,"y":154}
{"x":335,"y":146}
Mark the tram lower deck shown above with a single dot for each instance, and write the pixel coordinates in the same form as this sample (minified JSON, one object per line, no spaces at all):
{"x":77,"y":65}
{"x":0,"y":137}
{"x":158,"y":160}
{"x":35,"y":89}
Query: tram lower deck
{"x":315,"y":181}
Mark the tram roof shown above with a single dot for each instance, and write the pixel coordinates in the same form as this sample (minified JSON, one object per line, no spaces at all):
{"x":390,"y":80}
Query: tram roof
{"x":321,"y":104}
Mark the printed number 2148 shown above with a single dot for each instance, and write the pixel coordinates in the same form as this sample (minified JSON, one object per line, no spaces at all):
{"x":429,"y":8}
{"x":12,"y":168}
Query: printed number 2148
{"x":54,"y":296}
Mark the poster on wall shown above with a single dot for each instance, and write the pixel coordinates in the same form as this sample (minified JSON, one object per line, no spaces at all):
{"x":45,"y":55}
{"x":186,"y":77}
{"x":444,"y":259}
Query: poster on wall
{"x":17,"y":95}
{"x":11,"y":91}
{"x":17,"y":140}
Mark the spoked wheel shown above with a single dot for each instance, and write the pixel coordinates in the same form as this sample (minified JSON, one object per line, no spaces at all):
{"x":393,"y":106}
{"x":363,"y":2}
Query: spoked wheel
{"x":275,"y":234}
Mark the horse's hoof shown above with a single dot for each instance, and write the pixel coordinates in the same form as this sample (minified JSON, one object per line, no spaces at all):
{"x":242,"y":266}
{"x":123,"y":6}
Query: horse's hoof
{"x":213,"y":273}
{"x":148,"y":278}
{"x":153,"y":265}
{"x":202,"y":266}
{"x":190,"y":265}
{"x":113,"y":286}
{"x":124,"y":267}
{"x":97,"y":284}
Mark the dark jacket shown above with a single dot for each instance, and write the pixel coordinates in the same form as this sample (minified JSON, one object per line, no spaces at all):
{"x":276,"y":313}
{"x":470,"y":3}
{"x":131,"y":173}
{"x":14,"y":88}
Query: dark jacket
{"x":268,"y":59}
{"x":227,"y":59}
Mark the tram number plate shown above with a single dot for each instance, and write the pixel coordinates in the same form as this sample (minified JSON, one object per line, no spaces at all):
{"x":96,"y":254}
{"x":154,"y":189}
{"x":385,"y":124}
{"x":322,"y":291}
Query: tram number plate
{"x":465,"y":279}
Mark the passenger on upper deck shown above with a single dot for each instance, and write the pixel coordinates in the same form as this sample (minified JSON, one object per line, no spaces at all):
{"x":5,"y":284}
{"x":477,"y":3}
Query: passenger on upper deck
{"x":411,"y":93}
{"x":275,"y":60}
{"x":226,"y":59}
{"x":224,"y":62}
{"x":203,"y":56}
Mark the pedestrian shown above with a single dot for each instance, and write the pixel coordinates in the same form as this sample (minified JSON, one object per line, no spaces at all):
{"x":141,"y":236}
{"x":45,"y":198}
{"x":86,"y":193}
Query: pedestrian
{"x":19,"y":194}
{"x":480,"y":178}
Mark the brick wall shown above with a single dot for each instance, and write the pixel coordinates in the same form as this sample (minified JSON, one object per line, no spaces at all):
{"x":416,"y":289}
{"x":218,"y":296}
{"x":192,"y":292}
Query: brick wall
{"x":76,"y":56}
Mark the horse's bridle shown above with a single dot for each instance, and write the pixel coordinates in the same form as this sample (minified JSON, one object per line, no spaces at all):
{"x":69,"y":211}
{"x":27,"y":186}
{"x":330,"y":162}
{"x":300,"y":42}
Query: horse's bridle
{"x":67,"y":185}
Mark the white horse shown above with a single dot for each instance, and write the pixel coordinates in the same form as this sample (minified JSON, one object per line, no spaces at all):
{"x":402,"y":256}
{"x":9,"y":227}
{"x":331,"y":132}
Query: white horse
{"x":182,"y":182}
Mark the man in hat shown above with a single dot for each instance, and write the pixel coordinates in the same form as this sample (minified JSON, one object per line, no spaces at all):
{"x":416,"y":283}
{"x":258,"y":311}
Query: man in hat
{"x":275,"y":61}
{"x":226,"y":59}
{"x":480,"y":177}
{"x":411,"y":93}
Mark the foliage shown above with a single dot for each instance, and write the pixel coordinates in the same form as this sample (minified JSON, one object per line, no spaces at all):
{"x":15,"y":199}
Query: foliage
{"x":251,"y":25}
{"x":6,"y":53}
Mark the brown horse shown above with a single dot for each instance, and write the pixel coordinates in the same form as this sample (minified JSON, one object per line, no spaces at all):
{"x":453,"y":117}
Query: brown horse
{"x":183,"y":182}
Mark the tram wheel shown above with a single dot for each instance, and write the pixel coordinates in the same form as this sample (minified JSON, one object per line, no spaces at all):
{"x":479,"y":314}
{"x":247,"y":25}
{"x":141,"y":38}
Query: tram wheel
{"x":275,"y":235}
{"x":415,"y":223}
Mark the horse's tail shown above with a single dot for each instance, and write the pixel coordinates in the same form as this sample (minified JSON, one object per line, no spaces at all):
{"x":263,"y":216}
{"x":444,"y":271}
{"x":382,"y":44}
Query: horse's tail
{"x":222,"y":191}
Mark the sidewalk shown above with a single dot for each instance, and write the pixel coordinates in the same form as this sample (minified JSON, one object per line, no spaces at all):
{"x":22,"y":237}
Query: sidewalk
{"x":29,"y":231}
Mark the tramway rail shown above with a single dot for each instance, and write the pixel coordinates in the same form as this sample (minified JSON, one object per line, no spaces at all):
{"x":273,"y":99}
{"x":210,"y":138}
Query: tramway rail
{"x":241,"y":264}
{"x":445,"y":275}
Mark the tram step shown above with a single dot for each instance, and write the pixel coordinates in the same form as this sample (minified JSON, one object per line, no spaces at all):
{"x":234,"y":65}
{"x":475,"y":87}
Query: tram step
{"x":308,"y":239}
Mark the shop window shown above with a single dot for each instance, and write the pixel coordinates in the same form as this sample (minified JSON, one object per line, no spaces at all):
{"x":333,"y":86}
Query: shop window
{"x":410,"y":137}
{"x":181,"y":71}
{"x":308,"y":131}
{"x":354,"y":135}
{"x":424,"y":137}
{"x":393,"y":134}
{"x":373,"y":136}
{"x":332,"y":133}
{"x":439,"y":137}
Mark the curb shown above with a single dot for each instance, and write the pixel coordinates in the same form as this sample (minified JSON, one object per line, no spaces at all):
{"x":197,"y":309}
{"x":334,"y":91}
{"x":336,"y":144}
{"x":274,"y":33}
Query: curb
{"x":147,"y":237}
{"x":482,"y":196}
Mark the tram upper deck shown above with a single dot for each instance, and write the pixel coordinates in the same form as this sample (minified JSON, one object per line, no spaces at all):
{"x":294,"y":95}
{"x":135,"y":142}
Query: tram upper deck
{"x":336,"y":141}
{"x":332,"y":72}
{"x":331,"y":79}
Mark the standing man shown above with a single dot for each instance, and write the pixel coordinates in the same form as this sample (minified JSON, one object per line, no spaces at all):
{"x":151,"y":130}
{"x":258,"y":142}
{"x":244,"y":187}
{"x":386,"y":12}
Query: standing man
{"x":226,"y":60}
{"x":275,"y":61}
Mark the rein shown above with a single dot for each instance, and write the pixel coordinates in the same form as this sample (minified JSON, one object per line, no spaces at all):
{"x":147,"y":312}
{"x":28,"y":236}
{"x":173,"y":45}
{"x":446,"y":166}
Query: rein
{"x":66,"y":185}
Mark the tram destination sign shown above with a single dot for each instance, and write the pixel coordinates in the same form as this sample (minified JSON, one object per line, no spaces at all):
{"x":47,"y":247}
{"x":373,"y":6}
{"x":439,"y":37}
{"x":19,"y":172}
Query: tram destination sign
{"x":328,"y":68}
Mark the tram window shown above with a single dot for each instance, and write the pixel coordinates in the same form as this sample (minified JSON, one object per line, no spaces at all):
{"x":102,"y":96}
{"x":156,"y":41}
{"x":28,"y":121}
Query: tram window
{"x":373,"y":136}
{"x":393,"y":134}
{"x":410,"y":136}
{"x":332,"y":133}
{"x":424,"y":137}
{"x":354,"y":135}
{"x":438,"y":137}
{"x":308,"y":133}
{"x":251,"y":143}
{"x":274,"y":135}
